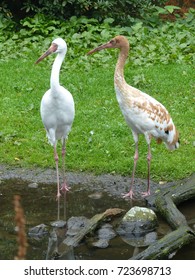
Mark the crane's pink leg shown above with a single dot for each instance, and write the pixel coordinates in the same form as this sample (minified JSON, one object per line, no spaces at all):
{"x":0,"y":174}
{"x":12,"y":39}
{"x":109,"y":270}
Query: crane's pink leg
{"x":136,"y":156}
{"x":149,"y":156}
{"x":64,"y":187}
{"x":58,"y":182}
{"x":57,"y":172}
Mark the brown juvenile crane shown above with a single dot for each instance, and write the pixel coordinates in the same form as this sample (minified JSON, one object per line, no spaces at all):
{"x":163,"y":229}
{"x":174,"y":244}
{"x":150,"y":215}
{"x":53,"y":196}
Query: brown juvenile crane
{"x":143,"y":114}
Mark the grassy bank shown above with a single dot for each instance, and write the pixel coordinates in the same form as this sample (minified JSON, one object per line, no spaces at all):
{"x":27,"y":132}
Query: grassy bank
{"x":100,"y":141}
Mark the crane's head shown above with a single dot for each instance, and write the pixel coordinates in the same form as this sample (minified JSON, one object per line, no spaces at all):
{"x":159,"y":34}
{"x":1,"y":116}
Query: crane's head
{"x":171,"y":137}
{"x":57,"y":46}
{"x":117,"y":42}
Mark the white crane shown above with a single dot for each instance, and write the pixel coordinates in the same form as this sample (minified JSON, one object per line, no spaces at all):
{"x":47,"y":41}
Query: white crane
{"x":143,"y":113}
{"x":57,"y":108}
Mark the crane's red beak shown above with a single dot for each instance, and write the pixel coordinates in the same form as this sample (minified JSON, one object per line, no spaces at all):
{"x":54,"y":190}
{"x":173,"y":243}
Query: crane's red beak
{"x":52,"y":49}
{"x":104,"y":46}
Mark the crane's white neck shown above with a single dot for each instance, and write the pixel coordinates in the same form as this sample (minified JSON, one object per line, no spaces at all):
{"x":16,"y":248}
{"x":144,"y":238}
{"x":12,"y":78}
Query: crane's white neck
{"x":55,"y":73}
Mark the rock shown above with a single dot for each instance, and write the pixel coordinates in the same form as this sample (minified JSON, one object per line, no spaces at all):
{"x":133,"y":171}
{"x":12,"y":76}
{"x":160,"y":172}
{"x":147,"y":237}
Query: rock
{"x":91,"y":225}
{"x":38,"y":231}
{"x":58,"y":224}
{"x":102,"y":243}
{"x":138,"y":220}
{"x":104,"y":234}
{"x":137,"y":227}
{"x":75,"y":224}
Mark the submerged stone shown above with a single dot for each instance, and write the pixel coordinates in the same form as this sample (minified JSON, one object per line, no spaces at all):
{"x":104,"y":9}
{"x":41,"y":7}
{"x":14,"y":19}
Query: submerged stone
{"x":102,"y":243}
{"x":38,"y":231}
{"x":106,"y":232}
{"x":75,"y":224}
{"x":59,"y":224}
{"x":104,"y":235}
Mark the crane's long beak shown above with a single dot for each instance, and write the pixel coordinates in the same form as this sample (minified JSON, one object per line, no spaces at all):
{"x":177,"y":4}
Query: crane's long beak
{"x":107,"y":45}
{"x":51,"y":49}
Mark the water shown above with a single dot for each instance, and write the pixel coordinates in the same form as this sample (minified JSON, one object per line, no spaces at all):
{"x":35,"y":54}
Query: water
{"x":40,"y":207}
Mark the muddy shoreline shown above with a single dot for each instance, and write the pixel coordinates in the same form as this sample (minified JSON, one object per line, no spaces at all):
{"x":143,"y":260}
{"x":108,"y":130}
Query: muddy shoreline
{"x":112,"y":184}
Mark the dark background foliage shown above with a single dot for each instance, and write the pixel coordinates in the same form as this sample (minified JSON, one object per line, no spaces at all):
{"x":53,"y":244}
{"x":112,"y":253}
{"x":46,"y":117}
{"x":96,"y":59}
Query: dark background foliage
{"x":120,"y":10}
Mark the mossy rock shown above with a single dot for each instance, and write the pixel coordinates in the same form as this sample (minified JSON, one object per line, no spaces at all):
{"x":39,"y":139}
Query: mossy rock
{"x":138,"y":220}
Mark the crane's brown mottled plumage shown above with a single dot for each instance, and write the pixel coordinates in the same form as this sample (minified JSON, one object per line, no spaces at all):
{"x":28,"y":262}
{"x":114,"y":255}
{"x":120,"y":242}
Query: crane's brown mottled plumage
{"x":144,"y":114}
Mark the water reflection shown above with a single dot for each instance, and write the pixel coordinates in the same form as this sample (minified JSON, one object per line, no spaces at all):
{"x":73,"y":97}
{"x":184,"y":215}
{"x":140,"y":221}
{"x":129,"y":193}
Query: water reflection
{"x":40,"y":207}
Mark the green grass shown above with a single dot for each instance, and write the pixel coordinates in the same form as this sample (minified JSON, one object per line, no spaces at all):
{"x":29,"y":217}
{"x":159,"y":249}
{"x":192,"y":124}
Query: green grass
{"x":100,"y":141}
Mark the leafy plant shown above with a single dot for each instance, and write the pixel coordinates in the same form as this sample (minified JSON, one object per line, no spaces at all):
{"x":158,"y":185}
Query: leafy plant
{"x":164,"y":43}
{"x":121,"y":11}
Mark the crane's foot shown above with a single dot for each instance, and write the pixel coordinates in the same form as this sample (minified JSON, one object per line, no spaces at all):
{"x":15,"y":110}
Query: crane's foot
{"x":64,"y":188}
{"x":144,"y":194}
{"x":58,"y":196}
{"x":129,"y":194}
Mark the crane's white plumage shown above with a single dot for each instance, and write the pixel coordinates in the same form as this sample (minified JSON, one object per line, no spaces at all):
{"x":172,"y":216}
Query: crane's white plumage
{"x":57,"y":105}
{"x":144,"y":114}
